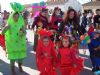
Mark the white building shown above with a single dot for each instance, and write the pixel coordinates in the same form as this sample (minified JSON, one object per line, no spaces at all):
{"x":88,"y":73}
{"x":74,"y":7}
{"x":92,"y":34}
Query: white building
{"x":0,"y":7}
{"x":64,"y":4}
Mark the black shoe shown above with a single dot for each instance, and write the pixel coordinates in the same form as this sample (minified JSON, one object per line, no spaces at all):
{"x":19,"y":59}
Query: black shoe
{"x":13,"y":70}
{"x":93,"y":69}
{"x":97,"y":68}
{"x":20,"y":67}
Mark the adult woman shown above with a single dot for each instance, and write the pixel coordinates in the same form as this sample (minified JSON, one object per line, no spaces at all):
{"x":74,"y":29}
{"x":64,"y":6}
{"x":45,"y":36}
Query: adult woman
{"x":84,"y":22}
{"x":42,"y":17}
{"x":40,"y":21}
{"x":70,"y":24}
{"x":55,"y":19}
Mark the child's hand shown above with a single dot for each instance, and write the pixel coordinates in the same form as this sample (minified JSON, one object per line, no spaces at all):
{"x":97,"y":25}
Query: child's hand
{"x":75,"y":65}
{"x":98,"y":48}
{"x":6,"y":54}
{"x":40,"y":24}
{"x":60,"y":37}
{"x":54,"y":68}
{"x":45,"y":54}
{"x":84,"y":51}
{"x":21,"y":32}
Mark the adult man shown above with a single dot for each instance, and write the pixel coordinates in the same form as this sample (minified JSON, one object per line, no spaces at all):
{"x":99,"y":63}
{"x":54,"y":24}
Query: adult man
{"x":97,"y":19}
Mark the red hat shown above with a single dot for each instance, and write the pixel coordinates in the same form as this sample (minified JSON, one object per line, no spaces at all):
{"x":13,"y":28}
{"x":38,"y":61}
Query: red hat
{"x":64,"y":36}
{"x":44,"y":32}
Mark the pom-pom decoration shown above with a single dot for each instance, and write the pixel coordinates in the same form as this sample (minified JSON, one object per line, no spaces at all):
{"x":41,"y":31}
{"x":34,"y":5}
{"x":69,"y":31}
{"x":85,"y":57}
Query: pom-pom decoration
{"x":82,"y":37}
{"x":87,"y":38}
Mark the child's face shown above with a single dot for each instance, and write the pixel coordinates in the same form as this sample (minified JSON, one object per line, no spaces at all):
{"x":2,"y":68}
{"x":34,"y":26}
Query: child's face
{"x":16,"y":17}
{"x":65,"y":42}
{"x":46,"y":42}
{"x":40,"y":24}
{"x":92,"y":25}
{"x":97,"y":35}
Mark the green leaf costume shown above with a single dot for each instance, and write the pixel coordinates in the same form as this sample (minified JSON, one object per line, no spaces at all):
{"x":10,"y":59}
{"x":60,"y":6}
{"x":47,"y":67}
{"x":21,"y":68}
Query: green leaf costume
{"x":15,"y":41}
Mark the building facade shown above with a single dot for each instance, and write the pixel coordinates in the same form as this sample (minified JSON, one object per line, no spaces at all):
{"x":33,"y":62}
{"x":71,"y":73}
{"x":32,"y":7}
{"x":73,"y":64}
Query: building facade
{"x":0,"y":7}
{"x":64,"y":4}
{"x":92,"y":6}
{"x":95,"y":0}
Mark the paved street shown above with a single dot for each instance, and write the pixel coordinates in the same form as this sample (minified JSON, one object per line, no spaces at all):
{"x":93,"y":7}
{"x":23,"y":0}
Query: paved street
{"x":29,"y":65}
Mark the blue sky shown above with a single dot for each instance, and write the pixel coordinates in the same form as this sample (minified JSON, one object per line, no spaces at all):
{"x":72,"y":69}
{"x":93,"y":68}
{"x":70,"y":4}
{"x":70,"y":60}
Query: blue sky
{"x":5,"y":3}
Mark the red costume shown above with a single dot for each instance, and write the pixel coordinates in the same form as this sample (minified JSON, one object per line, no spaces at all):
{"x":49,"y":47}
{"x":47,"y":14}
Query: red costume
{"x":91,"y":30}
{"x":69,"y":63}
{"x":2,"y":42}
{"x":54,"y":22}
{"x":75,"y":48}
{"x":41,"y":19}
{"x":46,"y":57}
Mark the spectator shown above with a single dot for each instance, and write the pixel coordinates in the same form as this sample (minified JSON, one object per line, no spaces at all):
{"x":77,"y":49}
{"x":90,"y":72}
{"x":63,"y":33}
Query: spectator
{"x":97,"y":18}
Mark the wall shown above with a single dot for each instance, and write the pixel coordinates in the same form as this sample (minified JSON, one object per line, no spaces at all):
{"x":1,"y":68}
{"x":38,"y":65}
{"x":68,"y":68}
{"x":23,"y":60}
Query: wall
{"x":0,"y":7}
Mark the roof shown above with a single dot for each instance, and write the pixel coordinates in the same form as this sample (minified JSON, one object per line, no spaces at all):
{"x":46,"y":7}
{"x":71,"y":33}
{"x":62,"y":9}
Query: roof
{"x":93,"y":3}
{"x":56,"y":2}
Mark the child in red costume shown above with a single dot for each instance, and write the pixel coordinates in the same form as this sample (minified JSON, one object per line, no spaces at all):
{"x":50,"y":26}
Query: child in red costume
{"x":2,"y":42}
{"x":69,"y":63}
{"x":46,"y":54}
{"x":91,"y":30}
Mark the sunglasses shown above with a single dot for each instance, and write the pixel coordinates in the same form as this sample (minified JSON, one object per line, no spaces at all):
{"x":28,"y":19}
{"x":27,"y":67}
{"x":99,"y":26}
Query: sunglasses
{"x":45,"y":12}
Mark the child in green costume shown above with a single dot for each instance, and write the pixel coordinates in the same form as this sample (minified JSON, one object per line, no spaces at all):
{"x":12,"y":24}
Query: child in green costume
{"x":15,"y":40}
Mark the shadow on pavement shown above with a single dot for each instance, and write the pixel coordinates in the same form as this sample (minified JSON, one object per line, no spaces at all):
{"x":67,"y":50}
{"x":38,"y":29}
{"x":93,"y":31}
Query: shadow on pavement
{"x":31,"y":60}
{"x":6,"y":70}
{"x":87,"y":65}
{"x":4,"y":66}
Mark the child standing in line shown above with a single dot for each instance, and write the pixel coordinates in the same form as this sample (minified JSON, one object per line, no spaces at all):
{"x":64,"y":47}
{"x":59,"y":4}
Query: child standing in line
{"x":94,"y":49}
{"x":69,"y":63}
{"x":46,"y":54}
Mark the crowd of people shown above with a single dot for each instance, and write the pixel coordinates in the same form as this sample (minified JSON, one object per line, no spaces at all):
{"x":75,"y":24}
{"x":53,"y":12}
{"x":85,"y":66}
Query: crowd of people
{"x":57,"y":39}
{"x":89,"y":17}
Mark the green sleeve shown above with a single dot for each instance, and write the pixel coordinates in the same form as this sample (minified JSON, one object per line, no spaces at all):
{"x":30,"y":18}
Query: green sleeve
{"x":5,"y":29}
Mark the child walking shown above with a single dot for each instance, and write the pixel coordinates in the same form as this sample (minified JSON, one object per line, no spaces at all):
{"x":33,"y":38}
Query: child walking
{"x":46,"y":54}
{"x":94,"y":49}
{"x":15,"y":38}
{"x":68,"y":62}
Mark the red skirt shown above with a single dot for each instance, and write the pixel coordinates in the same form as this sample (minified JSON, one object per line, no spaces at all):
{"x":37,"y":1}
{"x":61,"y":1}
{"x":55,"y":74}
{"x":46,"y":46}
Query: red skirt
{"x":71,"y":70}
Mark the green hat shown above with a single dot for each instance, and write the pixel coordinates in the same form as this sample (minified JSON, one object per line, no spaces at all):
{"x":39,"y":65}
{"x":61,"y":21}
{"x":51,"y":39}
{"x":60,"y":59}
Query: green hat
{"x":17,"y":7}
